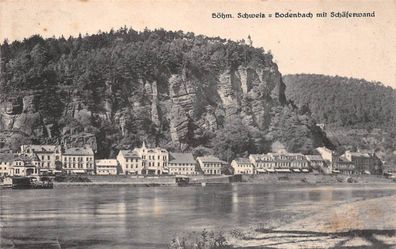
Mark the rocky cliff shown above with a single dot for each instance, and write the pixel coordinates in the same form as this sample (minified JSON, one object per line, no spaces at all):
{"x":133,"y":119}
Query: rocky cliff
{"x":112,"y":98}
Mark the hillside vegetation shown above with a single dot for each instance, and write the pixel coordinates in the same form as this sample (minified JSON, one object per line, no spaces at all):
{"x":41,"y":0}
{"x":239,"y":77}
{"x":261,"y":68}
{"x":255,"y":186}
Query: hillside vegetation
{"x":357,"y":114}
{"x":173,"y":89}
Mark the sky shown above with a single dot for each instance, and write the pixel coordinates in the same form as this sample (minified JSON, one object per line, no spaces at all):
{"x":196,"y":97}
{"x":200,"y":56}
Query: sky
{"x":353,"y":47}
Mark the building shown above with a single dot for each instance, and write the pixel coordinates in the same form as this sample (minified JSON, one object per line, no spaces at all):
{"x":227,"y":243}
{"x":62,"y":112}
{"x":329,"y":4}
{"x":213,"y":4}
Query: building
{"x":106,"y":167}
{"x":181,"y":164}
{"x":49,"y":155}
{"x":154,"y":160}
{"x":78,"y":160}
{"x":316,"y":162}
{"x":242,"y":166}
{"x":25,"y":165}
{"x":130,"y":162}
{"x":210,"y":165}
{"x":343,"y":166}
{"x":6,"y":160}
{"x":290,"y":162}
{"x":325,"y":153}
{"x":262,"y":163}
{"x":367,"y":163}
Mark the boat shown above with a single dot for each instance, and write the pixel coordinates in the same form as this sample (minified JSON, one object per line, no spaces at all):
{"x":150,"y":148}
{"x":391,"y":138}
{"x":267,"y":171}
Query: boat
{"x":7,"y":183}
{"x":182,"y":180}
{"x":31,"y":182}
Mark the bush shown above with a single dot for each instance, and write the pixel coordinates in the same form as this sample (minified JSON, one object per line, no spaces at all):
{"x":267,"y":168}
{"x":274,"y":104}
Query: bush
{"x":204,"y":240}
{"x":71,"y":178}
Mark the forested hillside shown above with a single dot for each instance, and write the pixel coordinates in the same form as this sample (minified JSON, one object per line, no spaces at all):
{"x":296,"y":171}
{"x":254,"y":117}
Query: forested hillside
{"x":343,"y":101}
{"x":357,"y":114}
{"x":173,"y":89}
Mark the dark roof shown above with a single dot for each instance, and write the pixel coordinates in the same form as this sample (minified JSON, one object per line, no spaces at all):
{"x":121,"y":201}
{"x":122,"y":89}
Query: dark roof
{"x":41,"y":148}
{"x":79,"y":151}
{"x":26,"y":159}
{"x":242,"y":160}
{"x":181,"y":158}
{"x":314,"y":157}
{"x":129,"y":153}
{"x":343,"y":159}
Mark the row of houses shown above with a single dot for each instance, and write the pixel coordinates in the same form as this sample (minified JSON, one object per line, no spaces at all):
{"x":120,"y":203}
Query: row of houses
{"x":323,"y":160}
{"x":38,"y":159}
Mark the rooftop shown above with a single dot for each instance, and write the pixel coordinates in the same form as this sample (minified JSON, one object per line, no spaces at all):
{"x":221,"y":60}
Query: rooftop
{"x":314,"y":157}
{"x":242,"y":160}
{"x":210,"y":159}
{"x":181,"y":158}
{"x":26,"y":158}
{"x":40,"y":148}
{"x":129,"y":153}
{"x":86,"y":151}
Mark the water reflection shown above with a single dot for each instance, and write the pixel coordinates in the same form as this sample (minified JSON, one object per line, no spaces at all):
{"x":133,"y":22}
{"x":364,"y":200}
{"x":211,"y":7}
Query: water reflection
{"x":131,"y":217}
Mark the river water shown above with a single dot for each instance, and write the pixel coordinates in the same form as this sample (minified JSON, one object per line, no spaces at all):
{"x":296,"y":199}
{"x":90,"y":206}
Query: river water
{"x":148,"y":217}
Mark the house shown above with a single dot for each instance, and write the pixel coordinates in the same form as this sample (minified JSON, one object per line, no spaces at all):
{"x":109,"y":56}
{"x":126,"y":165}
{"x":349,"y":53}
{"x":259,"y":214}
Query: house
{"x":343,"y":165}
{"x":325,"y":153}
{"x":49,"y":155}
{"x":181,"y":164}
{"x":106,"y":167}
{"x":154,"y":160}
{"x":210,"y":165}
{"x":130,"y":162}
{"x":367,"y":163}
{"x":6,"y":160}
{"x":25,"y":165}
{"x":78,"y":160}
{"x":316,"y":162}
{"x":262,"y":163}
{"x":242,"y":166}
{"x":289,"y":162}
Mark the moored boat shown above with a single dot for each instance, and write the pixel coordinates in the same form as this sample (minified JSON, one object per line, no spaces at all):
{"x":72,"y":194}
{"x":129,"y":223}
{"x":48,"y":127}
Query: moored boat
{"x":26,"y":182}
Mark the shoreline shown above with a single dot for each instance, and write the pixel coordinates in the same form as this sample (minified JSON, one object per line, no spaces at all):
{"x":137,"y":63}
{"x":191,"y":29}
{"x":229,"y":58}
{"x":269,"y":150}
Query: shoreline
{"x":367,"y":223}
{"x":302,"y":180}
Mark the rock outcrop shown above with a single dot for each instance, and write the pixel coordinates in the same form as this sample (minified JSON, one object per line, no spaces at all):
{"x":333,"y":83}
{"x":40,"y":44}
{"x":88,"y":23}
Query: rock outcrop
{"x":116,"y":100}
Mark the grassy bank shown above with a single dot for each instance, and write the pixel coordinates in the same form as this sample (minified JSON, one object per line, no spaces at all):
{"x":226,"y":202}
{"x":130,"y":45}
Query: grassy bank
{"x":310,"y":178}
{"x":358,"y":224}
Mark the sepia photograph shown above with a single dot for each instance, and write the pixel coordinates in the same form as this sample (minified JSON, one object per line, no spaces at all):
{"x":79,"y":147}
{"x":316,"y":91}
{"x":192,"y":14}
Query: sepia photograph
{"x":223,"y":124}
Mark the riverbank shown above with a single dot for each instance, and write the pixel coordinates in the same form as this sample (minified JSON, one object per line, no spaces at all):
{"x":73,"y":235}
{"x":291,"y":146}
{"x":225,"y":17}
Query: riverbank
{"x":310,"y":178}
{"x":269,"y":179}
{"x":363,"y":224}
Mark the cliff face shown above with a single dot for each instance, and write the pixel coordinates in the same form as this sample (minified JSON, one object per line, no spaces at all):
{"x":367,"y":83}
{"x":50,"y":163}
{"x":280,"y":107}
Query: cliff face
{"x":177,"y":91}
{"x":189,"y":105}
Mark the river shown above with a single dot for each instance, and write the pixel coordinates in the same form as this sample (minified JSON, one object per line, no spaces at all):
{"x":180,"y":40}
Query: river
{"x":148,"y":217}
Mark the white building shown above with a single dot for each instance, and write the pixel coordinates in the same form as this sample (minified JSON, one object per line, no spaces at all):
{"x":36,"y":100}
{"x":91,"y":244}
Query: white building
{"x":262,"y":163}
{"x":210,"y":165}
{"x":25,"y":165}
{"x":49,"y":155}
{"x":325,"y":153}
{"x":242,"y":166}
{"x":106,"y":166}
{"x":154,"y":160}
{"x":181,"y":164}
{"x":78,"y":160}
{"x":130,"y":162}
{"x":316,"y":162}
{"x":6,"y":160}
